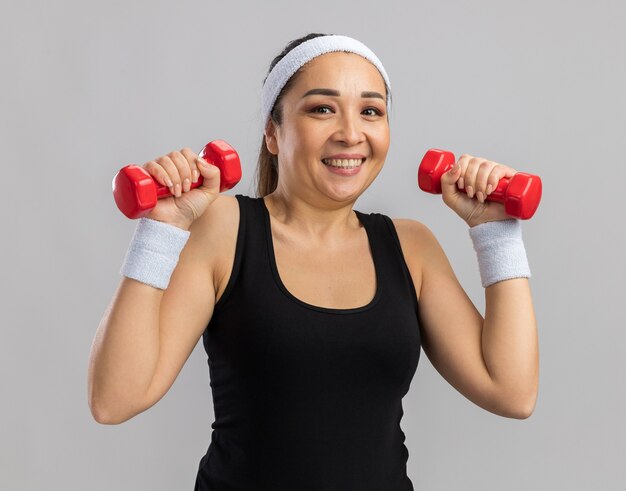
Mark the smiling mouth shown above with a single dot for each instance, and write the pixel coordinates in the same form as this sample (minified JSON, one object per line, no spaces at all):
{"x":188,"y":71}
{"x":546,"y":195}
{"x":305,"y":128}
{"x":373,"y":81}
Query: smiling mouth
{"x":343,"y":163}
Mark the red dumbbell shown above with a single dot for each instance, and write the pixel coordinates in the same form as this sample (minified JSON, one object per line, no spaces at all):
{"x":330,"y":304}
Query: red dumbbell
{"x":520,"y":194}
{"x":136,"y":192}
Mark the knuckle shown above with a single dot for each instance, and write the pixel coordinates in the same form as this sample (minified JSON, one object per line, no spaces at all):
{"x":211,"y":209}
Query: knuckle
{"x":181,"y":162}
{"x":175,"y":155}
{"x":164,"y":160}
{"x":182,"y":166}
{"x":189,"y":154}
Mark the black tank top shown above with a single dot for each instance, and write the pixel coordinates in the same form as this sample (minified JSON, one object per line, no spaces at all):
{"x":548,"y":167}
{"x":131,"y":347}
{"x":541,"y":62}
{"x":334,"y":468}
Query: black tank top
{"x":308,"y":397}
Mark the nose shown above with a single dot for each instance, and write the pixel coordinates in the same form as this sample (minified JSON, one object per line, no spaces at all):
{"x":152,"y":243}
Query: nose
{"x":349,"y":130}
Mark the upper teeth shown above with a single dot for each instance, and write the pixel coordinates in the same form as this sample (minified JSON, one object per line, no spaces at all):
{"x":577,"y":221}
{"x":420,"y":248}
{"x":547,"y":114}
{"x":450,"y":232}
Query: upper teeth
{"x":343,"y":162}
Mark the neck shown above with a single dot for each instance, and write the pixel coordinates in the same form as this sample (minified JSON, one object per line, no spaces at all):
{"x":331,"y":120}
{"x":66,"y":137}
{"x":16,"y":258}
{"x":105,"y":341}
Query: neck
{"x":318,"y":219}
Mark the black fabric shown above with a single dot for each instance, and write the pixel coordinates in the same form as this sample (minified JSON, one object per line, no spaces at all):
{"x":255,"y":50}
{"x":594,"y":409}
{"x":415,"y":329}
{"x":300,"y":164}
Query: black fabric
{"x":308,"y":397}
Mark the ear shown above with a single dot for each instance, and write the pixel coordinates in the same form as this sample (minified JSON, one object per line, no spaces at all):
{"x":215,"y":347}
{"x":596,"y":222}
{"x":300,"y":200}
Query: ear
{"x":270,"y":137}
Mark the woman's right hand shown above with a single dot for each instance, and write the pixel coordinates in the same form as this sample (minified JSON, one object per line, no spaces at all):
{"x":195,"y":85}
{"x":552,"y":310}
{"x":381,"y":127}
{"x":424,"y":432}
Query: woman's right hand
{"x":177,"y":170}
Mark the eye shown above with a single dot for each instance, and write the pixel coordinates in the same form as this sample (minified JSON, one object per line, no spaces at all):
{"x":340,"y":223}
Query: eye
{"x":376,"y":111}
{"x":317,"y":109}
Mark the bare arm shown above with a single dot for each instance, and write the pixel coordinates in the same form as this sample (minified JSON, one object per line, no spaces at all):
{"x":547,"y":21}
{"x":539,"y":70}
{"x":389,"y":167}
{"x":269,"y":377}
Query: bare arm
{"x":147,"y":334}
{"x":124,"y":352}
{"x":493,"y":361}
{"x":510,"y":345}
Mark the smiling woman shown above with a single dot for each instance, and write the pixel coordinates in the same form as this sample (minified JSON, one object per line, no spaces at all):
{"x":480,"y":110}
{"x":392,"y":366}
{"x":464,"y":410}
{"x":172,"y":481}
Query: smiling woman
{"x":308,"y":378}
{"x":267,"y":168}
{"x":312,"y":313}
{"x":322,"y":310}
{"x":335,"y":115}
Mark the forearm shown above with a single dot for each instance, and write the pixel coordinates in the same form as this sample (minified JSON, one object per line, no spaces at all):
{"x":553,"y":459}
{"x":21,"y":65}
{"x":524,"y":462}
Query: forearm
{"x":510,"y":344}
{"x":125,"y":351}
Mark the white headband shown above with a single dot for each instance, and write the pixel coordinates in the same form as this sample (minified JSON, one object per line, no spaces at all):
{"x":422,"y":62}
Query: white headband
{"x":305,"y":52}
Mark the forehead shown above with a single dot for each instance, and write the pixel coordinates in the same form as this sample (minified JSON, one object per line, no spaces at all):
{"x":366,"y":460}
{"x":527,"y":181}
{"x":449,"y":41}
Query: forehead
{"x":340,"y":68}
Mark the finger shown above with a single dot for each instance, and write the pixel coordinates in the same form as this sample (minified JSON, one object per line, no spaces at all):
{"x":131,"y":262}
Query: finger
{"x":499,"y":171}
{"x":172,"y":171}
{"x":508,"y":171}
{"x":449,"y":181}
{"x":469,"y":177}
{"x":183,"y":169}
{"x":464,"y":160}
{"x":191,"y":158}
{"x":159,"y":173}
{"x":485,"y":169}
{"x":212,"y":177}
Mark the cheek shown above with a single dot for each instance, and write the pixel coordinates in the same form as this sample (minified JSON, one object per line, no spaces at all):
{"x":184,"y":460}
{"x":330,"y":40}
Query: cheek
{"x":290,"y":142}
{"x":306,"y":140}
{"x":381,"y":144}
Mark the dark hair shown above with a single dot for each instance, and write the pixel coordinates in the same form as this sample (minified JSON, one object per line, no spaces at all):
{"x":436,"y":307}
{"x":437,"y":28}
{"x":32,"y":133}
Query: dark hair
{"x":267,"y":163}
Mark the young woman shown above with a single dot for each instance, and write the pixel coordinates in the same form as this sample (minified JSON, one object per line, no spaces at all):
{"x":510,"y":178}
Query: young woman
{"x":313,"y":313}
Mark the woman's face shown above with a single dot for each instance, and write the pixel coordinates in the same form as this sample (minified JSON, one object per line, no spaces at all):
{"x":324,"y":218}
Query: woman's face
{"x":336,"y":108}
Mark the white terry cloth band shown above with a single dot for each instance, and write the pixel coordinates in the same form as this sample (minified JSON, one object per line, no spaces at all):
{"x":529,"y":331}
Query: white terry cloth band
{"x":153,"y":252}
{"x":500,"y":251}
{"x":305,"y":52}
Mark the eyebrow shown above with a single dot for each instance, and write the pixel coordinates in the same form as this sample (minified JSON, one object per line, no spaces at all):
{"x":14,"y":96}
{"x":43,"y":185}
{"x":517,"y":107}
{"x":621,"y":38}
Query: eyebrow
{"x":335,"y":93}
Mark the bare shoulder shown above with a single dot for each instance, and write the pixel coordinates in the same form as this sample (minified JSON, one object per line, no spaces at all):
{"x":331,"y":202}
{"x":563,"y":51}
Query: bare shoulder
{"x":417,"y":243}
{"x":218,"y":228}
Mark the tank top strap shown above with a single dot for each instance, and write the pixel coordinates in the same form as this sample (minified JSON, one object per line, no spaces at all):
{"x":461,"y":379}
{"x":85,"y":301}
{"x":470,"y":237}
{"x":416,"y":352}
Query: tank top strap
{"x":388,"y":253}
{"x":250,"y":256}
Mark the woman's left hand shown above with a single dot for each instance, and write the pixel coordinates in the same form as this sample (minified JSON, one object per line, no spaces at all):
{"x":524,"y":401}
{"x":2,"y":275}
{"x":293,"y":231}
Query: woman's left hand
{"x":479,"y":177}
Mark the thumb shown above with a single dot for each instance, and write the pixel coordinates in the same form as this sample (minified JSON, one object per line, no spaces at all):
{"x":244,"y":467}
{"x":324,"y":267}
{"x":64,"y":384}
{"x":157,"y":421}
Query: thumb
{"x":210,"y":177}
{"x":450,"y":178}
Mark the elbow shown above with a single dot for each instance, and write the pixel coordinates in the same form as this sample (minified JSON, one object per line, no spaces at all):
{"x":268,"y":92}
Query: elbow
{"x":515,"y":404}
{"x":111,"y":409}
{"x":517,"y":399}
{"x":98,"y":411}
{"x":103,"y":417}
{"x":106,"y":416}
{"x":98,"y":415}
{"x":523,"y":412}
{"x":523,"y":407}
{"x":108,"y":419}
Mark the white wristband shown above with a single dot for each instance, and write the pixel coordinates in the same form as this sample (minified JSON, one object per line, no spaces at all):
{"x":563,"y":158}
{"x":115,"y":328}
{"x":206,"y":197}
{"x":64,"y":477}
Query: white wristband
{"x":153,"y":252}
{"x":500,"y":251}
